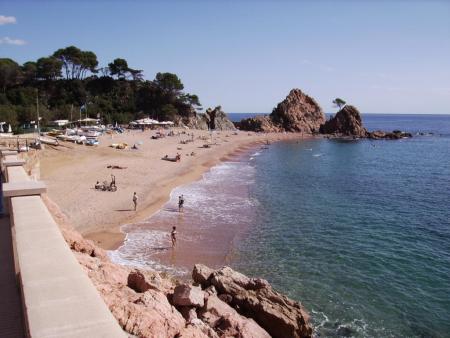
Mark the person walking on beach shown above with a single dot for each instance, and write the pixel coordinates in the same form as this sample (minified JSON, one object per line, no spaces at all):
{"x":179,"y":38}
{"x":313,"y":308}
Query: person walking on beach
{"x":180,"y":203}
{"x":173,"y":236}
{"x":135,"y":199}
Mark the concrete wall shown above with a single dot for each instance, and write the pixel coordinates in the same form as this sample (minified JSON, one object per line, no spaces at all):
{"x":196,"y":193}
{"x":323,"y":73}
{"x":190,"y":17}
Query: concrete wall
{"x":59,"y":300}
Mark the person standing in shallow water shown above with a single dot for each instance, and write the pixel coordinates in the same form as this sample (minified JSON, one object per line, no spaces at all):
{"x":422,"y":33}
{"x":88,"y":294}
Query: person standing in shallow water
{"x":135,"y":199}
{"x":173,"y":236}
{"x":180,"y":203}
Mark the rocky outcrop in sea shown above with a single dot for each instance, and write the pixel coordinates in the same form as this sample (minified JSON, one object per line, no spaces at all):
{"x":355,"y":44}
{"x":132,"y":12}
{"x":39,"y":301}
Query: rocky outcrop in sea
{"x":214,"y":119}
{"x":346,"y":122}
{"x":298,"y":112}
{"x":301,"y":113}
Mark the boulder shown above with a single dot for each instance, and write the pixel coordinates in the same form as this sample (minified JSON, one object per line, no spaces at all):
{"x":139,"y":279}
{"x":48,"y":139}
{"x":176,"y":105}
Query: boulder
{"x":395,"y":135}
{"x":137,"y":282}
{"x":188,"y":313}
{"x":346,"y":122}
{"x":188,"y":295}
{"x":226,"y":320}
{"x":149,"y":315}
{"x":201,"y":274}
{"x":258,"y":124}
{"x":298,"y":112}
{"x":255,"y":298}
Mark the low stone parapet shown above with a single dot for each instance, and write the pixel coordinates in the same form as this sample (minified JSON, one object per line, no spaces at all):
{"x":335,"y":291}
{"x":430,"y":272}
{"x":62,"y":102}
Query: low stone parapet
{"x":59,"y":300}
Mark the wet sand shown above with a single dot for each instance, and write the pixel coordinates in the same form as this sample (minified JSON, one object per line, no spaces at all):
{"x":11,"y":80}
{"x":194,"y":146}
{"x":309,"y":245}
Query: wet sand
{"x":71,"y":171}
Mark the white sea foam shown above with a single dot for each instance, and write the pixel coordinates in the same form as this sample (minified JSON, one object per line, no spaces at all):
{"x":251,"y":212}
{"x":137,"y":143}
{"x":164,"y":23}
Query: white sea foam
{"x":219,"y":198}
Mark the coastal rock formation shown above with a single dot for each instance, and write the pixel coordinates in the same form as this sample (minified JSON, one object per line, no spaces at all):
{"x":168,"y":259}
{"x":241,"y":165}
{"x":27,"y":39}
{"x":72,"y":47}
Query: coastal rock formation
{"x":298,"y":112}
{"x":215,"y":119}
{"x":258,"y":124}
{"x":255,"y":298}
{"x":226,"y":320}
{"x":218,"y":120}
{"x":395,"y":135}
{"x":346,"y":122}
{"x":188,"y":295}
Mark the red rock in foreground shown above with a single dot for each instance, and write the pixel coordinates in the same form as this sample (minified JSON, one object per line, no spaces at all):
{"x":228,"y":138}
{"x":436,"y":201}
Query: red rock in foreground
{"x":255,"y":298}
{"x":150,"y":304}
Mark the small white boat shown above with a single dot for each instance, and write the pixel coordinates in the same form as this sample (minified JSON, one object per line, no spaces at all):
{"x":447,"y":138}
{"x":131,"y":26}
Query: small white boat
{"x":48,"y":140}
{"x":92,"y":142}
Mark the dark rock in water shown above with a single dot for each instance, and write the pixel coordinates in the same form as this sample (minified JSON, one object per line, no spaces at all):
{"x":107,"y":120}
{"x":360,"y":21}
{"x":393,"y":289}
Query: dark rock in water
{"x":258,"y":124}
{"x":215,"y":119}
{"x":344,"y":331}
{"x":395,"y":135}
{"x":298,"y":112}
{"x":347,"y":122}
{"x":254,"y":298}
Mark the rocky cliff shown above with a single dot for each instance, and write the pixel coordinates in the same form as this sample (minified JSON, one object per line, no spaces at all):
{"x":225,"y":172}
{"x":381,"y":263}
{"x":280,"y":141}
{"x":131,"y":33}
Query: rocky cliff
{"x":215,"y":119}
{"x":346,"y":122}
{"x":298,"y":112}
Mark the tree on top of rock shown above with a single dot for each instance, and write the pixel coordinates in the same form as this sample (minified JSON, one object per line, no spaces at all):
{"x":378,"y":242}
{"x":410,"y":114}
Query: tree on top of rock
{"x":339,"y":103}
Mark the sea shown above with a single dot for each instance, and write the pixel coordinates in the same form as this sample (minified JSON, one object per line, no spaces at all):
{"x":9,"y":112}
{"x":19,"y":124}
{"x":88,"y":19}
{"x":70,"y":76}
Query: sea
{"x":358,"y":231}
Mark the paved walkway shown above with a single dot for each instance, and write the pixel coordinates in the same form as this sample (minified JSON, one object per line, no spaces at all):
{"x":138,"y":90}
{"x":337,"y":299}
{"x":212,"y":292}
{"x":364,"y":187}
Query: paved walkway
{"x":11,"y":325}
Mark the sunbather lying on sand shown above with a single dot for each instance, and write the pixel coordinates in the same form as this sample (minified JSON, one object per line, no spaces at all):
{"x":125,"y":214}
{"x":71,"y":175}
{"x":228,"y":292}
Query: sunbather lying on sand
{"x":115,"y":167}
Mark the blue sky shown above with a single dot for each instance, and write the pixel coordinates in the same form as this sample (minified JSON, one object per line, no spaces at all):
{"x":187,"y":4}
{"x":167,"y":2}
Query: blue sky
{"x":382,"y":56}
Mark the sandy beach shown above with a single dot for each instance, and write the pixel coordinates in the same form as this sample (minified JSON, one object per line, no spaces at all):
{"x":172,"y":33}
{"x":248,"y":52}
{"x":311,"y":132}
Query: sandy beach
{"x":71,"y":171}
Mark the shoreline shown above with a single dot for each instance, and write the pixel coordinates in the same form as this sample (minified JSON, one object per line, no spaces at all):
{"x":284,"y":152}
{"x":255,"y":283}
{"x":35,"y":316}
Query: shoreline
{"x":114,"y":238}
{"x":101,"y":216}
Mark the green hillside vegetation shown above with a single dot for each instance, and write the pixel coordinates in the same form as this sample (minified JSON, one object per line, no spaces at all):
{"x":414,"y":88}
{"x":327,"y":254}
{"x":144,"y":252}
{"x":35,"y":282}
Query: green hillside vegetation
{"x":71,"y":79}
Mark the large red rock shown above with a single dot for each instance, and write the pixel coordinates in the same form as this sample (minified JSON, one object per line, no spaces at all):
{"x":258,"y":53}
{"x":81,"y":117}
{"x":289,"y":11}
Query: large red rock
{"x":201,"y":274}
{"x":188,"y":295}
{"x":254,"y":298}
{"x":150,"y":315}
{"x":298,"y":112}
{"x":226,"y":320}
{"x":137,"y":282}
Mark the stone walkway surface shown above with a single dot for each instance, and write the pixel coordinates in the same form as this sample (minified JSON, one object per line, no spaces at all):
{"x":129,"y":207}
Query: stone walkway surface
{"x":11,"y":325}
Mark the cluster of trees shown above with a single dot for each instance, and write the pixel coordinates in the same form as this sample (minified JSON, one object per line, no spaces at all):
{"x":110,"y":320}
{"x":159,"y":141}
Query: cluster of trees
{"x":71,"y":79}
